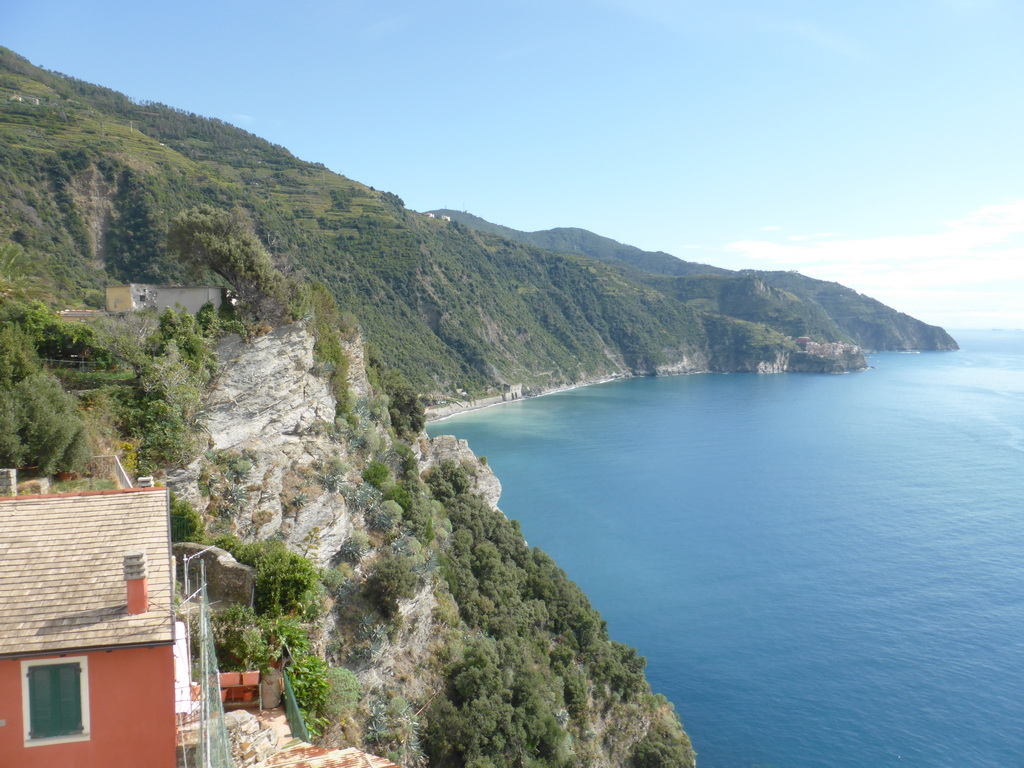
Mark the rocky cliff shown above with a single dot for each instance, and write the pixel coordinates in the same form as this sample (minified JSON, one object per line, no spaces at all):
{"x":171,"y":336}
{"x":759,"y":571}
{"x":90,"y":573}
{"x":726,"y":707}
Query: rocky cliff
{"x":263,"y":444}
{"x":279,"y":464}
{"x":271,"y":414}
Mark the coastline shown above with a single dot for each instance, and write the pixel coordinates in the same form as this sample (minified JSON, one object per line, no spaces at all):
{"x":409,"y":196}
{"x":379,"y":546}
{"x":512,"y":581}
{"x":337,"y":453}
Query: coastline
{"x":441,"y":413}
{"x":456,"y":409}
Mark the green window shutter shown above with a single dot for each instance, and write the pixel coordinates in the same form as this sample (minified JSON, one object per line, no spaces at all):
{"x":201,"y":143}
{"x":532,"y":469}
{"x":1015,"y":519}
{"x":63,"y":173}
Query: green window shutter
{"x":55,"y":700}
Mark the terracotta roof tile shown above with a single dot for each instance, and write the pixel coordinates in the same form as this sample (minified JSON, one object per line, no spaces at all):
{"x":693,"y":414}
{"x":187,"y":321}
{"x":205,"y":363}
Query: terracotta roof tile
{"x":61,"y":580}
{"x":308,"y":756}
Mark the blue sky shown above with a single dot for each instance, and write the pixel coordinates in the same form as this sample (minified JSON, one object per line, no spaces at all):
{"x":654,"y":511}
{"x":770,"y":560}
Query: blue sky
{"x":873,"y":143}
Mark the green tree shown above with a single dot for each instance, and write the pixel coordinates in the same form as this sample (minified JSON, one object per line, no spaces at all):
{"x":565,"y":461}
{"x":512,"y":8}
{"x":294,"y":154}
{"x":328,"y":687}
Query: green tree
{"x":18,"y":358}
{"x":224,"y":243}
{"x":286,"y":582}
{"x":41,"y":427}
{"x":377,"y":474}
{"x":16,"y":279}
{"x":392,"y":580}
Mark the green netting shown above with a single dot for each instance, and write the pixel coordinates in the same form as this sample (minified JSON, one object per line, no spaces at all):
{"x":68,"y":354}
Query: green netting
{"x":179,"y":528}
{"x":292,"y":711}
{"x":213,"y":749}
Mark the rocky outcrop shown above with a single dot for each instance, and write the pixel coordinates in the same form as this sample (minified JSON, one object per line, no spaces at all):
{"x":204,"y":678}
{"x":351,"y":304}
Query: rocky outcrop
{"x":358,"y":383}
{"x":267,"y":420}
{"x":271,"y":441}
{"x":802,"y":362}
{"x":268,"y":393}
{"x":405,"y":656}
{"x":687,"y":363}
{"x":435,"y":450}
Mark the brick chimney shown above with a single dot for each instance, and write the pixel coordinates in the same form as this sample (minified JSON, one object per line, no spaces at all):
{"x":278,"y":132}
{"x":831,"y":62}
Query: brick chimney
{"x":135,"y":573}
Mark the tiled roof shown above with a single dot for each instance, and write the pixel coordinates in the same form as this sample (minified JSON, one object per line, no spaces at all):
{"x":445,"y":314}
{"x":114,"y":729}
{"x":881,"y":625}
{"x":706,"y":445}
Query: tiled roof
{"x":304,"y":755}
{"x":61,"y":581}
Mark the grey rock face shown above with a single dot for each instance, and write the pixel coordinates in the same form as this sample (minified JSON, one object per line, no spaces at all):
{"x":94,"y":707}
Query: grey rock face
{"x":267,"y":392}
{"x":267,"y":406}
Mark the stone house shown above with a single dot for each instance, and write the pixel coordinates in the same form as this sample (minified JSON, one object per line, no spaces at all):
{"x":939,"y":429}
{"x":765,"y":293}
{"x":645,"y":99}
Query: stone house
{"x":138,"y":296}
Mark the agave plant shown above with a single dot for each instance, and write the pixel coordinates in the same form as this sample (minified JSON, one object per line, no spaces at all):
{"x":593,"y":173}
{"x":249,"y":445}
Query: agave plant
{"x":380,"y":519}
{"x":377,"y":727}
{"x":235,"y":496}
{"x":352,"y":549}
{"x":366,"y":624}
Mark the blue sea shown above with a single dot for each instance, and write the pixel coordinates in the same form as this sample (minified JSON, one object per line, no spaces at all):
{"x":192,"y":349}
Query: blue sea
{"x":821,"y":570}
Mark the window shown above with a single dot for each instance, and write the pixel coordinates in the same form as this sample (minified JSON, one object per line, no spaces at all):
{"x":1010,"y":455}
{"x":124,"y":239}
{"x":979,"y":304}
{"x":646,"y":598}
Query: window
{"x":55,"y":700}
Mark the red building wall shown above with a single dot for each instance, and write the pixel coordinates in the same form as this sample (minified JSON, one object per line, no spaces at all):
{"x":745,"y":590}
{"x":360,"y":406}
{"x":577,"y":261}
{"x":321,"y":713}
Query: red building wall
{"x":131,"y":703}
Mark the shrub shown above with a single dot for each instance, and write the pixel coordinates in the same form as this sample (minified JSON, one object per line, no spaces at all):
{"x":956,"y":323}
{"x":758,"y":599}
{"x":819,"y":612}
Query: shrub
{"x":343,"y":693}
{"x":335,"y":582}
{"x":377,"y":474}
{"x":663,"y":747}
{"x":285,"y":581}
{"x":392,"y":580}
{"x":354,"y":547}
{"x":382,"y":518}
{"x":448,"y":480}
{"x":309,"y":677}
{"x":240,"y":640}
{"x":18,"y":359}
{"x":193,"y":528}
{"x":409,"y":467}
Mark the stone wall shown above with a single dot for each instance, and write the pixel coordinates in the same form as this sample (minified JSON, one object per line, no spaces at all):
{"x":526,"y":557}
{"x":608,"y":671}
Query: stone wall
{"x":8,"y":482}
{"x":251,"y":742}
{"x":227,"y":581}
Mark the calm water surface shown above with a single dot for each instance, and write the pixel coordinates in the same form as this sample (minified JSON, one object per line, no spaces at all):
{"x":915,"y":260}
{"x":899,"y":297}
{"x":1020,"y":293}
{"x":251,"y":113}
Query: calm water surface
{"x":820,"y":570}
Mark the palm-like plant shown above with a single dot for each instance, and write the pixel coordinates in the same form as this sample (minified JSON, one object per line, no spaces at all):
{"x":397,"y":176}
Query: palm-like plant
{"x":16,"y":279}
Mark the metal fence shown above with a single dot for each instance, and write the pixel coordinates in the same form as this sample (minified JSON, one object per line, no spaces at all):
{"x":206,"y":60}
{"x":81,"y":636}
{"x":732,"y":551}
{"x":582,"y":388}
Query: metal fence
{"x":213,"y":749}
{"x":292,"y":711}
{"x":110,"y":466}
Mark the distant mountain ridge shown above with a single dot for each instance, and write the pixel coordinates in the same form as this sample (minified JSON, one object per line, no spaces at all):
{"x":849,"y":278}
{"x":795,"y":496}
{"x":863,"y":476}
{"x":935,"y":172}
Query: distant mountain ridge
{"x":789,"y":301}
{"x":573,"y":240}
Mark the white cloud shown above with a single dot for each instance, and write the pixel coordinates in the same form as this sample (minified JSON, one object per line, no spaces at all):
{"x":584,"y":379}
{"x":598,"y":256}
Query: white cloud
{"x":971,"y":270}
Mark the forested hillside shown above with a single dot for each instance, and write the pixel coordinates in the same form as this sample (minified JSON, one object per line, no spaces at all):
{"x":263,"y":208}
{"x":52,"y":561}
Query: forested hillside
{"x":788,"y":302}
{"x":91,"y":181}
